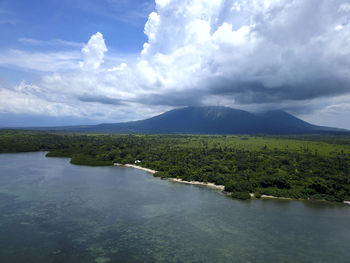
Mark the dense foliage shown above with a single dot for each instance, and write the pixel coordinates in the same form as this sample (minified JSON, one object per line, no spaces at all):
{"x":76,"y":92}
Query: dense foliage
{"x":308,"y":167}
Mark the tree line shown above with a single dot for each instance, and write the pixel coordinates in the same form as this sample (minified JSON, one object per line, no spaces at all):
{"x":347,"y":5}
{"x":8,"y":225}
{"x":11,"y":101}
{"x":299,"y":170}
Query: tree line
{"x":297,"y":167}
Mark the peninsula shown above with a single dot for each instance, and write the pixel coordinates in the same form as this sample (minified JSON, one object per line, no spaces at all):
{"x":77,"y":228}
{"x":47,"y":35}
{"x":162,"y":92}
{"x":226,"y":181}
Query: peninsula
{"x":312,"y":167}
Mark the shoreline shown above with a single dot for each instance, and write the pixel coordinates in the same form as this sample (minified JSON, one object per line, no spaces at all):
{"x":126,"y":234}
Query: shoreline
{"x":136,"y":167}
{"x":275,"y":197}
{"x":210,"y":185}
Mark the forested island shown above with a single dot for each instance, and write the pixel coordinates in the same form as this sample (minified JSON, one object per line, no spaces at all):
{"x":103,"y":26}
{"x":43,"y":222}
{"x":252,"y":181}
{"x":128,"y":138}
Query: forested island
{"x":301,"y":166}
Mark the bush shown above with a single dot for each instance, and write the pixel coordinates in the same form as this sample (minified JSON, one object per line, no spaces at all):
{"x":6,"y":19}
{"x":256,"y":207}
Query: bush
{"x":243,"y":186}
{"x":241,"y":195}
{"x":161,"y":175}
{"x":229,"y":186}
{"x":257,"y":195}
{"x":82,"y":159}
{"x":240,"y":186}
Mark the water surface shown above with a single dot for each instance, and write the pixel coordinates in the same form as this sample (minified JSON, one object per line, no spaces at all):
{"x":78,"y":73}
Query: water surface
{"x":52,"y":211}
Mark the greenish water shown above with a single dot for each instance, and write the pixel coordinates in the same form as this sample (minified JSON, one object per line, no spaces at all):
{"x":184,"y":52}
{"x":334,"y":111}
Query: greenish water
{"x":52,"y":211}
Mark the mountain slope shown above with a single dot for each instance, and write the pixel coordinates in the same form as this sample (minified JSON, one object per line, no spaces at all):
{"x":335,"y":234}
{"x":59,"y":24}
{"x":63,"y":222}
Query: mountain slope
{"x":211,"y":120}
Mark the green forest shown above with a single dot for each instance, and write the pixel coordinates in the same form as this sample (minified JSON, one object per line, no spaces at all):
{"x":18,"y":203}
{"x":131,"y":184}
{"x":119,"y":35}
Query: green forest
{"x":313,"y":167}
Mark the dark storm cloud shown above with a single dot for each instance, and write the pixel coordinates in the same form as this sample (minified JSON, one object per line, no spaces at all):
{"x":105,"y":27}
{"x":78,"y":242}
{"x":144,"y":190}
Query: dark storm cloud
{"x":258,"y":92}
{"x":175,"y":99}
{"x":101,"y":99}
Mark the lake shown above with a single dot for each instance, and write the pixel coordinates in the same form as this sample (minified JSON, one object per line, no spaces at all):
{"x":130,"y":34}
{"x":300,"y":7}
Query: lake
{"x":52,"y":211}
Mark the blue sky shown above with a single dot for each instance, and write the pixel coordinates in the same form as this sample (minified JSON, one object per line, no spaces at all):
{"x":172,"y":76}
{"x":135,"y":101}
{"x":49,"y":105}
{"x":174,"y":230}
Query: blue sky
{"x":85,"y":61}
{"x":58,"y":25}
{"x":53,"y":25}
{"x":121,"y":22}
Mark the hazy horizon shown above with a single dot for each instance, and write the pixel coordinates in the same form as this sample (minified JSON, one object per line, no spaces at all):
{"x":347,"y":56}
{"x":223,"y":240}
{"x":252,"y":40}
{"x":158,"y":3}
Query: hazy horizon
{"x":61,"y":122}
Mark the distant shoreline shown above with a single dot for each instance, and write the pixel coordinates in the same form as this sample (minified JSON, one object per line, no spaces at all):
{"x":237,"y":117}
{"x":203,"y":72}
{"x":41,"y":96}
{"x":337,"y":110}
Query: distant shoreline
{"x":209,"y":185}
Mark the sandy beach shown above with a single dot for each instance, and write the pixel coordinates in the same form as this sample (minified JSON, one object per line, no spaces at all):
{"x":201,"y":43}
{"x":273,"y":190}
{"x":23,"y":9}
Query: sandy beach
{"x":136,"y":167}
{"x":275,"y":197}
{"x":252,"y":195}
{"x":210,"y":185}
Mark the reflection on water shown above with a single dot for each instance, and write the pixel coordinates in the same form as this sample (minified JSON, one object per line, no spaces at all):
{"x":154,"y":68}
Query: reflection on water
{"x":51,"y":211}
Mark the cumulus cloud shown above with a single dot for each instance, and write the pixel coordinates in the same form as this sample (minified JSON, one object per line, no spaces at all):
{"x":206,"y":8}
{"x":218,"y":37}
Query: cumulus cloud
{"x":253,"y":51}
{"x":291,"y":54}
{"x":94,"y":52}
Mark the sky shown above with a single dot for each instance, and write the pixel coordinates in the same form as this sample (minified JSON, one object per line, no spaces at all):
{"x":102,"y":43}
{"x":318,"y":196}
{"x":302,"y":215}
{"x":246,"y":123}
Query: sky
{"x":96,"y":61}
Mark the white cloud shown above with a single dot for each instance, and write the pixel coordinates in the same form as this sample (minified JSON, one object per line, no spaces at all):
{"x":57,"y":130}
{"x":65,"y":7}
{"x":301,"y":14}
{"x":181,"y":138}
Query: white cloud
{"x":332,"y":112}
{"x":26,"y":99}
{"x":339,"y":27}
{"x":52,"y":42}
{"x":246,"y":54}
{"x":344,"y":8}
{"x":94,"y":52}
{"x":40,"y":61}
{"x":162,"y":3}
{"x":268,"y":42}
